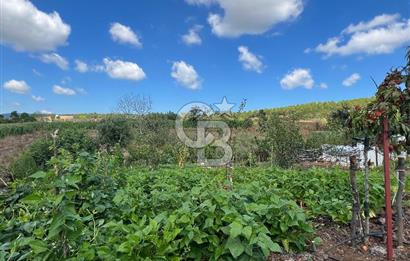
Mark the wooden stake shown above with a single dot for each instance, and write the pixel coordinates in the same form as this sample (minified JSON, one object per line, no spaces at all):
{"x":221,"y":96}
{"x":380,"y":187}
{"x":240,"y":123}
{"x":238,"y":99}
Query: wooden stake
{"x":399,"y":199}
{"x":355,"y":222}
{"x":366,"y":190}
{"x":387,"y":190}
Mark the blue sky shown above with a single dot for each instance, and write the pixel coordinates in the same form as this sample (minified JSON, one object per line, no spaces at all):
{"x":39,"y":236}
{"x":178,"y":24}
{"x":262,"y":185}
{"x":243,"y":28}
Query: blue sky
{"x":271,"y":52}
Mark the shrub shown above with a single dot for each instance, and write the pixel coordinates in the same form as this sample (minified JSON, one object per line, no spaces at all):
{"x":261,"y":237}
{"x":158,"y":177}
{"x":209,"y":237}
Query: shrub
{"x":114,"y":131}
{"x":75,"y":141}
{"x":41,"y":152}
{"x":284,"y":140}
{"x":23,"y":166}
{"x":244,"y":148}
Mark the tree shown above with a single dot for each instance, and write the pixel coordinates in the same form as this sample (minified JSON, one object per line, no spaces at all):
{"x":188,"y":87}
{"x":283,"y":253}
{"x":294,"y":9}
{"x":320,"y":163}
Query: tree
{"x":284,"y":140}
{"x":135,"y":107}
{"x":14,"y":116}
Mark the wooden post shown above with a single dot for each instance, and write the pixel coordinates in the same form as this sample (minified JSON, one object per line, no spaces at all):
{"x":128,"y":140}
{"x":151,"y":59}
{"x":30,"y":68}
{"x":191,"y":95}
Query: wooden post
{"x":387,"y":192}
{"x":355,"y":222}
{"x":366,"y":189}
{"x":399,"y":197}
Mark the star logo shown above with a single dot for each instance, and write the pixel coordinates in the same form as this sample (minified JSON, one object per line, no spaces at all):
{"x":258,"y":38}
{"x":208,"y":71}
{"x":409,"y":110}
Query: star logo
{"x":224,"y":107}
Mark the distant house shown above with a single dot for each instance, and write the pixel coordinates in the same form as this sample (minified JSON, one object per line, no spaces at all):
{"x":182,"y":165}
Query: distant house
{"x":45,"y":118}
{"x":64,"y":118}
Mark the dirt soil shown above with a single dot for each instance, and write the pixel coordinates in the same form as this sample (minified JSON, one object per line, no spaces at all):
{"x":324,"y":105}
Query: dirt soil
{"x":11,"y":147}
{"x":336,"y":246}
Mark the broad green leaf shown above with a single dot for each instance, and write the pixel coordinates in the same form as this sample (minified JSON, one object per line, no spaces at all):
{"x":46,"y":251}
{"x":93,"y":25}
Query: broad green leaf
{"x":236,"y":229}
{"x":235,"y":246}
{"x":38,"y":246}
{"x":56,"y":226}
{"x":247,"y":232}
{"x":32,"y":199}
{"x":38,"y":175}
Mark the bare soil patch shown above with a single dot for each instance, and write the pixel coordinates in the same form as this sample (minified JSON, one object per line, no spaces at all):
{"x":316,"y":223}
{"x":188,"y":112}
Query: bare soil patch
{"x":11,"y":147}
{"x":336,"y":245}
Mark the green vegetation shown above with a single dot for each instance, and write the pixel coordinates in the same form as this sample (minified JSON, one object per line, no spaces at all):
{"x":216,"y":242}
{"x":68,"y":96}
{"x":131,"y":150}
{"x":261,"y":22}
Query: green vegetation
{"x":16,"y":117}
{"x":11,"y":129}
{"x":114,"y":131}
{"x":314,"y":110}
{"x":89,"y":207}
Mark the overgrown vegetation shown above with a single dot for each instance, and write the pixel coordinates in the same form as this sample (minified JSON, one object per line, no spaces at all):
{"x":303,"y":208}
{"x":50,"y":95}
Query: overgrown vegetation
{"x":15,"y":117}
{"x":90,"y":207}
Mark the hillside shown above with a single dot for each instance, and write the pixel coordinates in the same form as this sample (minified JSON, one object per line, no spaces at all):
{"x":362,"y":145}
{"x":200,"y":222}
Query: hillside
{"x":313,"y":110}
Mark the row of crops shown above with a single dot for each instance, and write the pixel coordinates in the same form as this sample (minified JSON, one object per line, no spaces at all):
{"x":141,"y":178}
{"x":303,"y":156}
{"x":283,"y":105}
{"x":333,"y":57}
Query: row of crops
{"x":90,"y":207}
{"x":10,"y":129}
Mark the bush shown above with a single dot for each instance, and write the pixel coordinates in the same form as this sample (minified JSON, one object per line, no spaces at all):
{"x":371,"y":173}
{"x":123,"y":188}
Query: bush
{"x":41,"y":152}
{"x":75,"y":141}
{"x":114,"y":131}
{"x":244,"y":148}
{"x":284,"y":140}
{"x":23,"y":166}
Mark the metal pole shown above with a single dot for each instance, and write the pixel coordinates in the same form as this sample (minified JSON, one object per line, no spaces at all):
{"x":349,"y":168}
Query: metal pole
{"x":387,"y":198}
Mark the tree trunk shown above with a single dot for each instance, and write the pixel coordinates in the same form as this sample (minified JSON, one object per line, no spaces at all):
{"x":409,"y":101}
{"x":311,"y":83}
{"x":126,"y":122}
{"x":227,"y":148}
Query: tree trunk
{"x":399,"y":198}
{"x":355,"y":222}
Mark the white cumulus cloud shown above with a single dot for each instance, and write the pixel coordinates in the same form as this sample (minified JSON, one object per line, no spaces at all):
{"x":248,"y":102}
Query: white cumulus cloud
{"x":63,"y":91}
{"x":192,"y":37}
{"x":250,"y":61}
{"x":15,"y":86}
{"x":54,"y":58}
{"x":25,"y":28}
{"x":249,"y":17}
{"x":185,"y":75}
{"x":45,"y":112}
{"x":81,"y":66}
{"x":37,"y":98}
{"x":381,"y":35}
{"x":352,"y":79}
{"x":297,"y":78}
{"x":124,"y":34}
{"x":118,"y":69}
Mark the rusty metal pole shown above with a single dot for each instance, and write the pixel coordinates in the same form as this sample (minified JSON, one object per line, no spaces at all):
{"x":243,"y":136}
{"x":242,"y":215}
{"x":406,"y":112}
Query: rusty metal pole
{"x":387,"y":195}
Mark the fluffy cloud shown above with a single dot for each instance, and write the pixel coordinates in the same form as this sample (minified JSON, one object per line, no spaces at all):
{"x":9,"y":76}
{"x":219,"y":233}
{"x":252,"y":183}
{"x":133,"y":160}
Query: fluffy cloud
{"x":81,"y":66}
{"x":383,"y":34}
{"x":297,"y":78}
{"x":250,"y":61}
{"x":54,"y":58}
{"x":185,"y":75}
{"x":45,"y":112}
{"x":118,"y":69}
{"x":352,"y":79}
{"x":250,"y":17}
{"x":25,"y":28}
{"x":63,"y":91}
{"x":192,"y":37}
{"x":124,"y":34}
{"x":37,"y":98}
{"x":20,"y":87}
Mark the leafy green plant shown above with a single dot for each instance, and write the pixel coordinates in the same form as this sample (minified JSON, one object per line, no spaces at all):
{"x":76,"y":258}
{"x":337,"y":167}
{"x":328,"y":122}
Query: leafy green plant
{"x":23,"y":166}
{"x":114,"y":131}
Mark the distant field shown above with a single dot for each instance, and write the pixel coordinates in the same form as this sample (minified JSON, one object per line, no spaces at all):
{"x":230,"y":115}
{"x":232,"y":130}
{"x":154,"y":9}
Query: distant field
{"x":10,"y":129}
{"x":314,"y":110}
